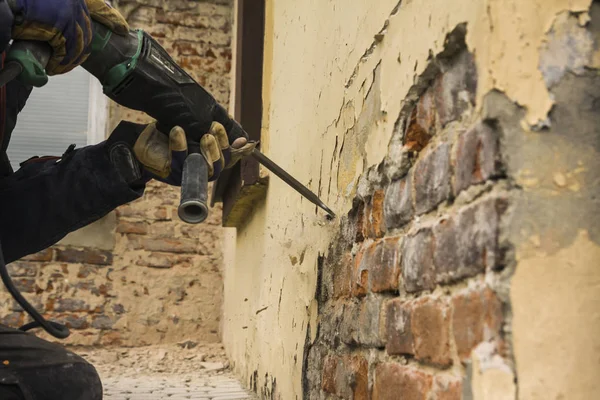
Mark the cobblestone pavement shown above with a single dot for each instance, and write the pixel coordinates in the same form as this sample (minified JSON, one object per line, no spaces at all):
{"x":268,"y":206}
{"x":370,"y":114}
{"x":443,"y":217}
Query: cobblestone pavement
{"x":186,"y":370}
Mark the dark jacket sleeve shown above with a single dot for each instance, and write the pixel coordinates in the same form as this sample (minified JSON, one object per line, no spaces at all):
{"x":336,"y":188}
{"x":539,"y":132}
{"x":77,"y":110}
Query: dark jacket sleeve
{"x":6,"y":23}
{"x":45,"y":200}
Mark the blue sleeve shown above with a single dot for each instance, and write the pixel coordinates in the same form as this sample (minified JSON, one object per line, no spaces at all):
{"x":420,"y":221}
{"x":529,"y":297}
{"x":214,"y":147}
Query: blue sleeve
{"x":6,"y":23}
{"x":45,"y":200}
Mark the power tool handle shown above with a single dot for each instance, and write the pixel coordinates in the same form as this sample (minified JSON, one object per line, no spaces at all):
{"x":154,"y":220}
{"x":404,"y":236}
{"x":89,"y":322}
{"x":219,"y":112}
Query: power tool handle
{"x":193,"y":207}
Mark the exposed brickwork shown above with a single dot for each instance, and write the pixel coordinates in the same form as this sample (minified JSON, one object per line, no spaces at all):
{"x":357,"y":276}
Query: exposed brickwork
{"x":159,"y":280}
{"x":394,"y":380}
{"x":414,"y":295}
{"x":477,"y":317}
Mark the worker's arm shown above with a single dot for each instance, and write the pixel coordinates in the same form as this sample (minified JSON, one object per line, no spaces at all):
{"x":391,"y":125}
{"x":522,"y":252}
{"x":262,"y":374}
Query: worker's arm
{"x":45,"y":200}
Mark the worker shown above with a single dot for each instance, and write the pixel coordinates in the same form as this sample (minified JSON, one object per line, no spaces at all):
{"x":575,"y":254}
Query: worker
{"x":49,"y":197}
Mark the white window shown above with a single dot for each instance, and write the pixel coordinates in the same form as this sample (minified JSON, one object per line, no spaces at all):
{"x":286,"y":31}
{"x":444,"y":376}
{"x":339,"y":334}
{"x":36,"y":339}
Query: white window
{"x":70,"y":109}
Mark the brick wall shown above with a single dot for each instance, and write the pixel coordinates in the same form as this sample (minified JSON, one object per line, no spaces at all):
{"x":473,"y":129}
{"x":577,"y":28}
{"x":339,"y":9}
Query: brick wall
{"x":160,"y":279}
{"x":412,"y":284}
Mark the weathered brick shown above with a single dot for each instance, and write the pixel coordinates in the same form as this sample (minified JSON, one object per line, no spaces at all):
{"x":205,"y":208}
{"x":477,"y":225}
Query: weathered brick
{"x":22,"y":269}
{"x":351,"y":379}
{"x":44,"y":255}
{"x":398,"y":208}
{"x":348,"y":327}
{"x":77,"y":322}
{"x":360,"y":275}
{"x":467,"y":244}
{"x":25,"y":285}
{"x":84,"y":256}
{"x":477,"y":317}
{"x":394,"y":381}
{"x":102,"y":322}
{"x":159,"y":260}
{"x":383,"y":260}
{"x":342,"y":276}
{"x":137,"y":227}
{"x":448,"y":388}
{"x":432,"y":179}
{"x":455,"y":88}
{"x":476,"y":157}
{"x":421,"y":125}
{"x":417,"y":266}
{"x":369,"y":322}
{"x":430,"y":324}
{"x":399,"y":338}
{"x":111,"y":338}
{"x":170,"y":245}
{"x":328,"y":375}
{"x":71,"y":305}
{"x":14,"y":319}
{"x":375,"y":223}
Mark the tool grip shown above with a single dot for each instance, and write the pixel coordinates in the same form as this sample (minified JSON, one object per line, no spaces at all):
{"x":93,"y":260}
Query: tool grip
{"x":194,"y":190}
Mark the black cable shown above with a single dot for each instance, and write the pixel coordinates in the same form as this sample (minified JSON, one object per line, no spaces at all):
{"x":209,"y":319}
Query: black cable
{"x":57,"y":330}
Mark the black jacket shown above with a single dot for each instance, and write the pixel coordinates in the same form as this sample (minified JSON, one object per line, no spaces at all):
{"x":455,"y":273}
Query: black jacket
{"x":48,"y":198}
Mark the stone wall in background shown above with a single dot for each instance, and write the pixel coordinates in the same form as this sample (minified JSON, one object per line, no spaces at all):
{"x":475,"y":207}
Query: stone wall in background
{"x":141,"y":276}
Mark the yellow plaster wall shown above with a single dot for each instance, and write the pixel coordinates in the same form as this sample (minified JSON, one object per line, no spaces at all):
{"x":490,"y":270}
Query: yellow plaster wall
{"x":320,"y":58}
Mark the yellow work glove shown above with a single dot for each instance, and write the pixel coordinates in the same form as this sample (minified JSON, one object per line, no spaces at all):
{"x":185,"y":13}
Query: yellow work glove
{"x":219,"y":155}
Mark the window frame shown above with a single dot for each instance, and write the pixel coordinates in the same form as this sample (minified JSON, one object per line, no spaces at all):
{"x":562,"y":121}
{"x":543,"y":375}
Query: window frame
{"x":244,"y":180}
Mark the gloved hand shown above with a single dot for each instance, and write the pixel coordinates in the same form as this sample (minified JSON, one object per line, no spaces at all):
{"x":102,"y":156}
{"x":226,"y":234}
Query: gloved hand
{"x":141,"y":152}
{"x":65,"y":25}
{"x":219,"y":155}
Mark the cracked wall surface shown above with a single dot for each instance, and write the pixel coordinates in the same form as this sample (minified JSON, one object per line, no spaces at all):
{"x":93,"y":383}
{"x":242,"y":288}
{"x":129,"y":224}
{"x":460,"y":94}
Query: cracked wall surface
{"x":458,"y":143}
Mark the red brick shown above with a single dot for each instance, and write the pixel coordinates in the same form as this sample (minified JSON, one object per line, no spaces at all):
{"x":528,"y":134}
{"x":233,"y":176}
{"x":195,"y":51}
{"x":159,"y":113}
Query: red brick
{"x":432,"y":179}
{"x":477,"y":317}
{"x":357,"y":215}
{"x":394,"y":382}
{"x":44,"y":255}
{"x":398,"y":209}
{"x":430,"y":325}
{"x":399,"y":338}
{"x":417,"y":265}
{"x":342,"y":276}
{"x":352,"y":378}
{"x":476,"y":156}
{"x":384,"y":266}
{"x":421,"y":125}
{"x":170,"y":245}
{"x":137,"y":227}
{"x":22,"y":269}
{"x":84,"y":256}
{"x":328,"y":383}
{"x":377,"y":267}
{"x":360,"y":276}
{"x":448,"y":388}
{"x":375,"y":223}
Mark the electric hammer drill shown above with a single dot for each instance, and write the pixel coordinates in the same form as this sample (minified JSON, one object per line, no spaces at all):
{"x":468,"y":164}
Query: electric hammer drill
{"x":136,"y":72}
